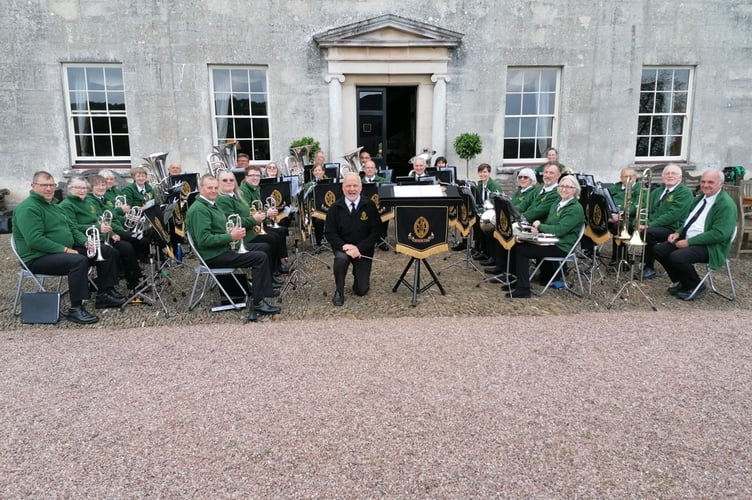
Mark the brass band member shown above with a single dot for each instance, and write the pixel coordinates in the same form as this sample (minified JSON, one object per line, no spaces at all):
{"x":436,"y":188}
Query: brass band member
{"x":317,"y":174}
{"x":371,"y":176}
{"x":564,"y":220}
{"x":49,"y":243}
{"x":353,"y":227}
{"x":484,"y":189}
{"x":419,"y":168}
{"x":207,"y":226}
{"x":140,"y":191}
{"x":619,"y":195}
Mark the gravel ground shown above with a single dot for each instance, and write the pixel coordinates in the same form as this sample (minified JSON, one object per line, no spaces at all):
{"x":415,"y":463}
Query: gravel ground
{"x":465,"y":395}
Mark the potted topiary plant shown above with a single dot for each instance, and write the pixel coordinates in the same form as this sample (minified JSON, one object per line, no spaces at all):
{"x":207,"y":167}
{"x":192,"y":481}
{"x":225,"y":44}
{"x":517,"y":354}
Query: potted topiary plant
{"x":468,"y":146}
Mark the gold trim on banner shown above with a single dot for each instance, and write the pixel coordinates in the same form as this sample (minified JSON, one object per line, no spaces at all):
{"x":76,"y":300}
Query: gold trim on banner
{"x":319,"y":215}
{"x":598,"y":240}
{"x":387,"y":216}
{"x":464,"y":231}
{"x":428,"y":252}
{"x":504,"y":243}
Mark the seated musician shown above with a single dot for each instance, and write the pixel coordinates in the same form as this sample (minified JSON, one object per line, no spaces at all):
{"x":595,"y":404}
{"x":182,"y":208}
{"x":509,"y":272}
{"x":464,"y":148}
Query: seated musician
{"x":174,"y":169}
{"x":705,"y":236}
{"x":317,"y":174}
{"x":207,"y":225}
{"x":485,"y":187}
{"x":250,"y":191}
{"x":364,"y":156}
{"x":49,"y":243}
{"x":619,"y":194}
{"x":564,"y":220}
{"x":440,"y":162}
{"x":353,"y":227}
{"x":522,"y":198}
{"x":85,"y":209}
{"x":140,"y":191}
{"x":113,"y":192}
{"x":271,"y":171}
{"x":419,"y":168}
{"x":230,"y":202}
{"x":669,"y":206}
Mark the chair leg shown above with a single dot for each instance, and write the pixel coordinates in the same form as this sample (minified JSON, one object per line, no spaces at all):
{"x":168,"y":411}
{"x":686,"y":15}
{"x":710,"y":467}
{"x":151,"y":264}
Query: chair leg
{"x":731,"y":297}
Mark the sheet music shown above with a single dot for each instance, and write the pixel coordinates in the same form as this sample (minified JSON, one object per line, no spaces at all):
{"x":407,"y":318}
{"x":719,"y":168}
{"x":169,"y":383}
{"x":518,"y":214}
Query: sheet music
{"x":418,"y":191}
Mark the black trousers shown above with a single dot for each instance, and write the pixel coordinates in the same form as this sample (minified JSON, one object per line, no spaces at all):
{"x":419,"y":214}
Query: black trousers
{"x":679,"y":262}
{"x":522,"y":254}
{"x":128,"y":260}
{"x":260,"y":270}
{"x":76,"y":268}
{"x":654,"y":236}
{"x":361,"y":272}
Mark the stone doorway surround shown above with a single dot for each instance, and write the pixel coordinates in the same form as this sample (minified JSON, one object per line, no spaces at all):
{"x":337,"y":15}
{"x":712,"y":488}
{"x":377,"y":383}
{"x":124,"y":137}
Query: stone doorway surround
{"x":383,"y":51}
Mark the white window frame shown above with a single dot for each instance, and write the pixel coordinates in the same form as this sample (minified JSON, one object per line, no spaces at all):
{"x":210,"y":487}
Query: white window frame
{"x":228,"y":113}
{"x":87,"y":91}
{"x":646,"y":120}
{"x":534,"y":119}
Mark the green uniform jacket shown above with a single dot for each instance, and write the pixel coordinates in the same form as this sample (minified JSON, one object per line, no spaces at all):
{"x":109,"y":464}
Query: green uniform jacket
{"x":85,"y":213}
{"x":109,"y":197}
{"x":565,"y":224}
{"x":618,"y":195}
{"x":541,"y":205}
{"x":719,"y":227}
{"x":41,"y":228}
{"x":522,"y":200}
{"x":134,"y":196}
{"x":207,"y":225}
{"x":673,"y":210}
{"x":234,"y":205}
{"x":250,"y":193}
{"x":376,"y":180}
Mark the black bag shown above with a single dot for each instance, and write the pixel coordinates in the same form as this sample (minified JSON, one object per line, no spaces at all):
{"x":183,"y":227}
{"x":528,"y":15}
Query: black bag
{"x":40,"y":307}
{"x":733,"y":175}
{"x":236,"y":292}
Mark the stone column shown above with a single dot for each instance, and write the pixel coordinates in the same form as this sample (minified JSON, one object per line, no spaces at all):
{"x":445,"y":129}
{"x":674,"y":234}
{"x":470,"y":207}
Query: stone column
{"x":335,"y":115}
{"x":438,"y":129}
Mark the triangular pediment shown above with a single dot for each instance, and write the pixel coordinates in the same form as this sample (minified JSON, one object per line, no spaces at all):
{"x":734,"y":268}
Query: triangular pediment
{"x":388,"y":31}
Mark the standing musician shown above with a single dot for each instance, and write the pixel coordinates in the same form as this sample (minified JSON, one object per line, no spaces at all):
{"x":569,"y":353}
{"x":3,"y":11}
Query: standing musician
{"x":353,"y":227}
{"x":669,"y":207}
{"x":86,"y":210}
{"x":230,"y":202}
{"x":207,"y":225}
{"x":49,"y":243}
{"x":704,"y":237}
{"x":564,"y":220}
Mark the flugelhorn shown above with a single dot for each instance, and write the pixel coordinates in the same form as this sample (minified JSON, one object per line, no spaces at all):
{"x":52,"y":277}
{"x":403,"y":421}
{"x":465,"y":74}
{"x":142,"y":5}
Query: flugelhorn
{"x":233,"y":221}
{"x":93,"y":245}
{"x":256,"y":207}
{"x":271,"y":203}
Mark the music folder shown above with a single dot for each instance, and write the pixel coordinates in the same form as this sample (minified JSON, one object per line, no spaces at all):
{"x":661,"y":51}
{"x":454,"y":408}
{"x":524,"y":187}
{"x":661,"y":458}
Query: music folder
{"x":40,"y":307}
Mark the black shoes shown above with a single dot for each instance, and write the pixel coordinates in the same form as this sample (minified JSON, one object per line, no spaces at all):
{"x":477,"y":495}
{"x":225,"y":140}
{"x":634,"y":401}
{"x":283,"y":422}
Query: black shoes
{"x":462,"y":245}
{"x":283,"y":269}
{"x":338,"y":299}
{"x":674,"y":288}
{"x":520,"y":293}
{"x":108,"y":299}
{"x":384,"y":246}
{"x":649,"y":273}
{"x":80,"y":315}
{"x":494,"y":270}
{"x":487,"y":262}
{"x":264,"y":307}
{"x":687,"y":294}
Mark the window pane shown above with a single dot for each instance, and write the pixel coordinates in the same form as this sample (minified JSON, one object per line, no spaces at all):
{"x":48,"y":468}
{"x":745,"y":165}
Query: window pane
{"x":102,"y":146}
{"x":648,"y":80}
{"x":511,"y":148}
{"x":657,"y":146}
{"x":547,"y":104}
{"x":530,"y":83}
{"x":242,"y":127}
{"x":101,"y":125}
{"x":95,"y":78}
{"x":241,"y":104}
{"x":663,"y":102}
{"x":121,"y":145}
{"x":116,"y":101}
{"x":643,"y":125}
{"x":680,"y":103}
{"x":545,"y":127}
{"x":514,"y":81}
{"x":81,"y":124}
{"x":114,"y":78}
{"x":514,"y":104}
{"x":527,"y":127}
{"x":665,"y":80}
{"x":240,"y":81}
{"x":222,"y":104}
{"x":512,"y":127}
{"x":76,"y":78}
{"x":642,"y":146}
{"x":527,"y":148}
{"x":119,"y":125}
{"x":369,"y":101}
{"x":83,"y":145}
{"x":674,"y":146}
{"x":543,"y":145}
{"x":530,"y":104}
{"x":681,"y":79}
{"x":221,"y":79}
{"x":260,"y":128}
{"x":258,"y":105}
{"x":647,"y":101}
{"x":659,"y":125}
{"x":261,"y":150}
{"x":677,"y":125}
{"x":245,"y":146}
{"x":78,"y":101}
{"x":97,"y":101}
{"x":258,"y":81}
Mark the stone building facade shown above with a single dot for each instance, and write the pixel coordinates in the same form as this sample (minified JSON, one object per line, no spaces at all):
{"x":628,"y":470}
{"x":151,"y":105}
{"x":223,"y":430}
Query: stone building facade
{"x":93,"y":82}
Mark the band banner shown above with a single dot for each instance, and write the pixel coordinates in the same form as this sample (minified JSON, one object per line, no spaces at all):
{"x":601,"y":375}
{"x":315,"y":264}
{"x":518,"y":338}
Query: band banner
{"x":324,"y":196}
{"x":504,"y":232}
{"x":281,"y":193}
{"x":464,"y":216}
{"x":371,"y":192}
{"x":421,"y":230}
{"x":596,"y":216}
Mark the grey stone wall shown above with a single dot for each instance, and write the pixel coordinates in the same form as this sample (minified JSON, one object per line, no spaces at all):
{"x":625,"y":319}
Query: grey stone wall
{"x":166,"y":47}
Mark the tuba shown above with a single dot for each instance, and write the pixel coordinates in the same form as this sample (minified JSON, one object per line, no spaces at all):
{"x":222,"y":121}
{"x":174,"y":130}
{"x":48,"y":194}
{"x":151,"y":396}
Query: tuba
{"x":295,"y":164}
{"x":223,"y":157}
{"x":233,"y":221}
{"x":425,"y":155}
{"x":157,"y":175}
{"x":352,"y":162}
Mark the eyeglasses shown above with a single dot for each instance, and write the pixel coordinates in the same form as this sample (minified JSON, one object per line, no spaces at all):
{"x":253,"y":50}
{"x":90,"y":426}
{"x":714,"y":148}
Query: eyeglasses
{"x":253,"y":175}
{"x":228,"y":180}
{"x":45,"y":185}
{"x":523,"y":177}
{"x":76,"y":187}
{"x":565,"y":187}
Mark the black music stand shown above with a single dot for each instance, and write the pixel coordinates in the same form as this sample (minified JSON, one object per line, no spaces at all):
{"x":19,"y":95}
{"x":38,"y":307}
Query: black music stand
{"x":371,"y":192}
{"x":506,"y":215}
{"x":148,"y":291}
{"x":464,"y":221}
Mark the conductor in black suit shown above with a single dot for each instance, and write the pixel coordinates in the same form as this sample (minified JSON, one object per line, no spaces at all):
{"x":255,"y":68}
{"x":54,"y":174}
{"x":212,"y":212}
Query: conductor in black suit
{"x":353,"y":227}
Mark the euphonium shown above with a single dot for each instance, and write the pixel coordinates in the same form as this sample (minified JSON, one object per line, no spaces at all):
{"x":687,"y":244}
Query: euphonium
{"x":233,"y":221}
{"x":257,"y":206}
{"x":296,"y":165}
{"x":93,"y":245}
{"x":157,"y":175}
{"x":352,"y":162}
{"x":622,"y":235}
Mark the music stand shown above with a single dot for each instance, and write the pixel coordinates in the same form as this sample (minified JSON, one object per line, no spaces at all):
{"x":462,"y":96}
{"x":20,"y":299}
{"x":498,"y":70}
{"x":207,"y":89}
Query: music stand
{"x":464,"y":221}
{"x":331,"y":170}
{"x":371,"y":192}
{"x":506,"y":215}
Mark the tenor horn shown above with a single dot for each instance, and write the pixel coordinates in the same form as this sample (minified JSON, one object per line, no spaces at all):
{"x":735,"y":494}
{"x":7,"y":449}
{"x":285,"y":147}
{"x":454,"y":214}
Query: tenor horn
{"x":93,"y":244}
{"x":257,"y":206}
{"x":233,"y":221}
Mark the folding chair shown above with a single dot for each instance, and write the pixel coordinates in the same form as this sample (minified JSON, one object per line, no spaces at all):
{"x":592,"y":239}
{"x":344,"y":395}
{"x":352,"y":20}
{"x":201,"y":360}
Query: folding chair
{"x":708,"y":277}
{"x":25,"y":274}
{"x":209,"y":275}
{"x":570,"y":257}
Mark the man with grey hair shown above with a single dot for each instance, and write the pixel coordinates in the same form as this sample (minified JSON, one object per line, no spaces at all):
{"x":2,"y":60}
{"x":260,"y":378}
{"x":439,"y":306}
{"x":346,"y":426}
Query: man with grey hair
{"x":669,"y":206}
{"x":705,"y":236}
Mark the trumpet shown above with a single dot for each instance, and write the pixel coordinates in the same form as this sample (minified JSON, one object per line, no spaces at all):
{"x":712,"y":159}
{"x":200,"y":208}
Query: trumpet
{"x":271,"y":203}
{"x":134,"y":222}
{"x":93,"y":245}
{"x":120,"y":201}
{"x":233,"y":221}
{"x":256,"y":207}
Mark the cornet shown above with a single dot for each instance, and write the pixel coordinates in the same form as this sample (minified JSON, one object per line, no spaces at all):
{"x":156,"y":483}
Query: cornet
{"x":233,"y":221}
{"x":93,"y":245}
{"x":106,"y":220}
{"x":271,"y":203}
{"x":257,"y":206}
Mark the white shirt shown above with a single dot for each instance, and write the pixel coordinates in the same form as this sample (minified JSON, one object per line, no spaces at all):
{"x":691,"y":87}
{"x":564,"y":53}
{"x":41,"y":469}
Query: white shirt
{"x":698,"y":226}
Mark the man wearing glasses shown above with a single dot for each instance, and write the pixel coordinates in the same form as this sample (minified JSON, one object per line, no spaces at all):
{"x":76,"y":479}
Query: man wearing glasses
{"x":49,"y":243}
